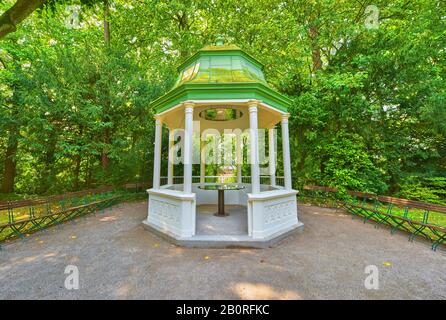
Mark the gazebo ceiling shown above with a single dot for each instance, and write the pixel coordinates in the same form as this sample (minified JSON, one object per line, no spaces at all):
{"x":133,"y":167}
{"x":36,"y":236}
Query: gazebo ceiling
{"x":267,"y":116}
{"x":221,"y":72}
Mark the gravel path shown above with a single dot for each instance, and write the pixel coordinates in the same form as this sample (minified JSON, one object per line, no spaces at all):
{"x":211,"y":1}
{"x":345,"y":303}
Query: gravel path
{"x":118,"y":259}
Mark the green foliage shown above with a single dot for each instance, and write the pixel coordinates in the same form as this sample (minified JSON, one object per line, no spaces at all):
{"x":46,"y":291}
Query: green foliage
{"x":431,"y":190}
{"x":66,"y":99}
{"x":368,"y":103}
{"x":348,"y":165}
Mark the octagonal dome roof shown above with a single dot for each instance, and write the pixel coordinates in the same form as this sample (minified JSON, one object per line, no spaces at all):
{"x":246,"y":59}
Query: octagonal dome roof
{"x":219,"y":72}
{"x":220,"y":64}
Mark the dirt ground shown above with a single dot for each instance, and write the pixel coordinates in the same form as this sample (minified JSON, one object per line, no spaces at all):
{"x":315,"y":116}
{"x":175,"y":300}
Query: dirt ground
{"x":118,"y":259}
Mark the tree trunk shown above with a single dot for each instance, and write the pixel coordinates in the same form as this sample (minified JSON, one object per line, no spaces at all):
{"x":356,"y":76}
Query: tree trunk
{"x":10,"y":163}
{"x":77,"y":169}
{"x":106,"y":139}
{"x":183,"y":25}
{"x":16,"y":14}
{"x":88,"y":178}
{"x":315,"y":49}
{"x":301,"y":163}
{"x":49,"y":159}
{"x":105,"y":158}
{"x":106,"y":23}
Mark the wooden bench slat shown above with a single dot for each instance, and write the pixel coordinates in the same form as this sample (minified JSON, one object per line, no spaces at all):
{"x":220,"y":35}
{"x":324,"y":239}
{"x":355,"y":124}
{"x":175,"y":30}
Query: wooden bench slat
{"x":66,"y":196}
{"x":413,"y":204}
{"x":57,"y":213}
{"x":385,"y":199}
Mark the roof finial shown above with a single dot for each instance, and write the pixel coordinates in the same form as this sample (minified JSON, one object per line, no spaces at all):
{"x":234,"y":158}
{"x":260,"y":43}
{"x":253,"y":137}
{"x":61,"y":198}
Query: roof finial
{"x":220,"y":40}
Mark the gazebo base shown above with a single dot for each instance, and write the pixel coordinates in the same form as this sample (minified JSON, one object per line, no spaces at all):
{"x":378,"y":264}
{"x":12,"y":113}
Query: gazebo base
{"x":267,"y":218}
{"x":224,"y":241}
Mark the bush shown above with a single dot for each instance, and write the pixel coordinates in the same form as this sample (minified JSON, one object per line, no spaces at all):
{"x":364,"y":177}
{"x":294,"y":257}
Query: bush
{"x":431,"y":190}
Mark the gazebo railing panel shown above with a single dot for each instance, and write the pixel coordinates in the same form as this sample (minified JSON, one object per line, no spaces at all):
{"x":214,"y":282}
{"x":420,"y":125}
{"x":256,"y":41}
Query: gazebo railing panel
{"x":246,"y":179}
{"x":280,"y":181}
{"x":178,"y":180}
{"x":163,"y":181}
{"x":266,"y":180}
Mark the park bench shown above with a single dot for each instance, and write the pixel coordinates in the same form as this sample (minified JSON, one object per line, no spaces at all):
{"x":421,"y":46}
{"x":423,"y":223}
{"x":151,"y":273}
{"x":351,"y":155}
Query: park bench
{"x":323,"y":195}
{"x":414,"y":217}
{"x":138,"y":186}
{"x":27,"y":216}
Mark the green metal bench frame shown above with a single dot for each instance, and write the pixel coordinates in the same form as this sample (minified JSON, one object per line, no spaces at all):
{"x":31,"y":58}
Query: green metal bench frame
{"x":70,"y":206}
{"x":369,"y":207}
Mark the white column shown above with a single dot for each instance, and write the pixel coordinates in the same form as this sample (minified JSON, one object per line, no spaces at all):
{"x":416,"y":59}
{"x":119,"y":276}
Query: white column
{"x":188,"y":143}
{"x":170,"y":159}
{"x":157,"y":153}
{"x":239,"y":155}
{"x":272,"y":156}
{"x":202,"y":163}
{"x":254,"y":147}
{"x":286,"y":152}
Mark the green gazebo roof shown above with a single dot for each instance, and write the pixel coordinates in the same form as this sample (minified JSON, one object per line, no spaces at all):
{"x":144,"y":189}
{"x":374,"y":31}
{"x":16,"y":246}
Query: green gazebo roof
{"x":220,"y":64}
{"x":220,"y":72}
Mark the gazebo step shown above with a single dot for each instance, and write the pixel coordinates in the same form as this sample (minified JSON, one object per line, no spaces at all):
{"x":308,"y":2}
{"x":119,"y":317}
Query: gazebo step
{"x":224,"y":241}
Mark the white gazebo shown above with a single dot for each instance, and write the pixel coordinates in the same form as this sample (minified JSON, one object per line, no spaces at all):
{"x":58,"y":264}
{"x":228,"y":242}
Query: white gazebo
{"x":221,"y":91}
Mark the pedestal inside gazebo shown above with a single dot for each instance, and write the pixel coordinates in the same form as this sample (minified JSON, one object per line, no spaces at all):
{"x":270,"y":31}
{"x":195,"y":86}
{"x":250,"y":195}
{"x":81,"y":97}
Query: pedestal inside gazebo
{"x":222,"y":90}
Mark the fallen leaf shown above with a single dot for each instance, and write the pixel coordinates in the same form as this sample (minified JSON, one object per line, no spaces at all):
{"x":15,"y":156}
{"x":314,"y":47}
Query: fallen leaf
{"x":387,"y":264}
{"x":206,"y":257}
{"x":73,"y":237}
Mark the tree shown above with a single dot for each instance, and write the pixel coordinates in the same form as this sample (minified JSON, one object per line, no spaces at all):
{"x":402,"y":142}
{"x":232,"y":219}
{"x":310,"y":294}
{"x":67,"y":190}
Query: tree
{"x":16,"y":14}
